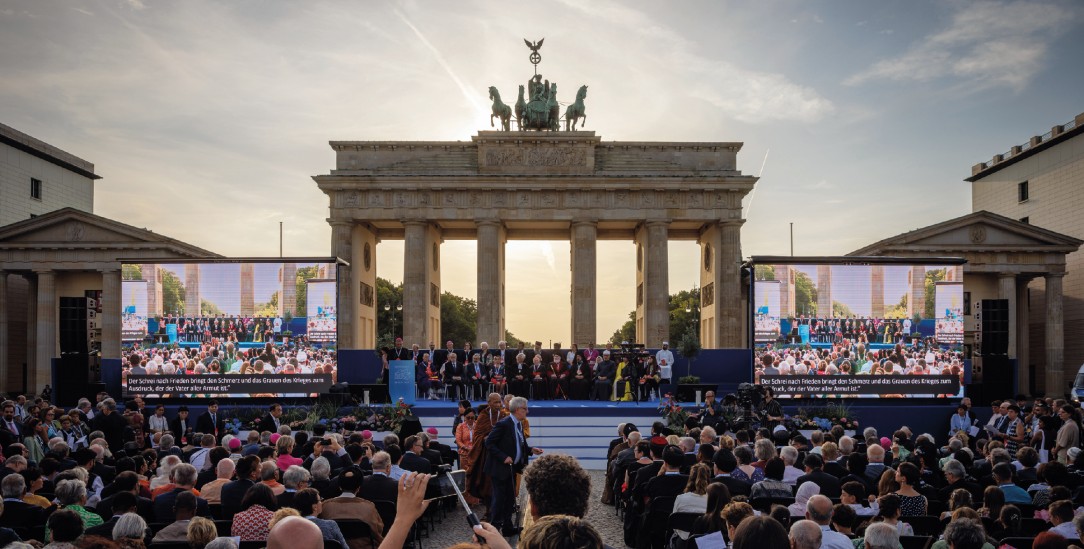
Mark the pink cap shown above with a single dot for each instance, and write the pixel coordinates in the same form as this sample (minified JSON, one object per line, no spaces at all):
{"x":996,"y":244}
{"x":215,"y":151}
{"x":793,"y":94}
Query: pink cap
{"x":366,"y":434}
{"x":235,"y":443}
{"x":274,"y":438}
{"x":886,"y":443}
{"x":431,"y":430}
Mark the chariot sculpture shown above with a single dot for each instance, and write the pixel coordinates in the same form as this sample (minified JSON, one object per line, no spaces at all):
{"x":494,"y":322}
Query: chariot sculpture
{"x":537,"y":107}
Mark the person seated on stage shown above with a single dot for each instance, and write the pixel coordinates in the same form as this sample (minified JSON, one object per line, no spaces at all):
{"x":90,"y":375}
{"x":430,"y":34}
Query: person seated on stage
{"x":649,"y":378}
{"x":454,"y":375}
{"x":518,"y":374}
{"x":580,"y":381}
{"x":630,"y":380}
{"x":540,"y":379}
{"x":476,"y":374}
{"x":497,"y":375}
{"x":604,"y":377}
{"x":559,"y":377}
{"x":429,"y":376}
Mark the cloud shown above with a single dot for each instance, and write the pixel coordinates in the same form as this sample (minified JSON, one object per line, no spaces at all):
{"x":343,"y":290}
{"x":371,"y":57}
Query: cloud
{"x":741,"y":93}
{"x":82,"y":11}
{"x":988,"y":44}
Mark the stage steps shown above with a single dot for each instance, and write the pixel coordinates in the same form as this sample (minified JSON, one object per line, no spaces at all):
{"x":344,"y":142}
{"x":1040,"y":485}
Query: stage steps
{"x":585,"y":437}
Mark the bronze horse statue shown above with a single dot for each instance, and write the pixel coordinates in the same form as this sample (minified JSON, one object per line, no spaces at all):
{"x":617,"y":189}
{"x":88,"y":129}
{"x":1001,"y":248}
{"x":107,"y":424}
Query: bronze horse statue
{"x":521,"y":110}
{"x":500,"y":110}
{"x":576,"y":111}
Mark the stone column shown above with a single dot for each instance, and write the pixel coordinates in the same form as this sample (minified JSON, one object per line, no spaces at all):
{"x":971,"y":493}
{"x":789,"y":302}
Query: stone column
{"x":584,"y":261}
{"x":491,"y":240}
{"x":248,"y":290}
{"x":4,"y":305}
{"x":192,"y":295}
{"x":363,"y":262}
{"x":824,"y":291}
{"x":111,"y":298}
{"x":1055,"y":335}
{"x":877,"y":291}
{"x":729,"y":294}
{"x":916,"y":305}
{"x":783,"y":274}
{"x":1006,"y":289}
{"x":652,"y":284}
{"x":41,"y":372}
{"x":31,"y":326}
{"x":154,"y":289}
{"x":421,"y":284}
{"x":1023,"y":338}
{"x":288,"y":297}
{"x":341,"y":247}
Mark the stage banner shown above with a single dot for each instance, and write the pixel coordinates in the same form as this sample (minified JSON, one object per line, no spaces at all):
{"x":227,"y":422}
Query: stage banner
{"x":803,"y":332}
{"x":806,"y":385}
{"x":215,"y":384}
{"x":766,"y":328}
{"x":949,"y":310}
{"x":401,"y":381}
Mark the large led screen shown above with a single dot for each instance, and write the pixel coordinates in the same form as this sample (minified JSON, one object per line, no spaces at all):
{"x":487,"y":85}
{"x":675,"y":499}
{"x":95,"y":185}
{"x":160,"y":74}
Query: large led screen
{"x":858,"y":330}
{"x":228,"y":328}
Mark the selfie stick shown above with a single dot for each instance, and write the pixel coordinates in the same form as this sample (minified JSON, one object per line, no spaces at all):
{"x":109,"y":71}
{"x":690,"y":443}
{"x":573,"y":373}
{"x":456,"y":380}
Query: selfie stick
{"x":472,"y":519}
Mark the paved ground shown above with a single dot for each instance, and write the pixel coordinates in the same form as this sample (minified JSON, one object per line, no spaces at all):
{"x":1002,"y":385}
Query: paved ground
{"x":453,"y":529}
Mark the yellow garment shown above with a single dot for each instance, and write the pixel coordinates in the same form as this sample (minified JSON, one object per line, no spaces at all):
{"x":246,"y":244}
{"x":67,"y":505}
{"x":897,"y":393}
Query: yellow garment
{"x":627,"y":394}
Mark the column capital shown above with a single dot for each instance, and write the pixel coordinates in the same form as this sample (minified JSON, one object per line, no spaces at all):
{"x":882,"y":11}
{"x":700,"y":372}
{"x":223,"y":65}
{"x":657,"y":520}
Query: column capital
{"x":731,"y":222}
{"x":1048,"y":276}
{"x":488,"y":222}
{"x":335,"y":222}
{"x":657,"y":222}
{"x":43,"y":271}
{"x":108,"y":271}
{"x":582,"y":222}
{"x":414,"y":222}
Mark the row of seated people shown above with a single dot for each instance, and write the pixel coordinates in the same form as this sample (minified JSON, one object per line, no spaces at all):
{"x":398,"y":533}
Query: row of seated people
{"x":580,"y":380}
{"x":351,"y":482}
{"x":649,"y":479}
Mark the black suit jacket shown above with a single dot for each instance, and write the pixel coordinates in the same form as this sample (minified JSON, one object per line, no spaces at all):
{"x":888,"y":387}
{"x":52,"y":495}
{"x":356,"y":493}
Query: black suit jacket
{"x":163,"y":505}
{"x":501,"y":444}
{"x":232,"y":494}
{"x":401,"y":353}
{"x":737,"y":486}
{"x":416,"y":463}
{"x":835,"y":469}
{"x":285,"y":499}
{"x":380,"y":488}
{"x":7,"y":436}
{"x":104,"y":529}
{"x":643,"y":475}
{"x":206,"y":426}
{"x":144,"y":508}
{"x":665,"y":485}
{"x":267,"y":423}
{"x":433,"y":456}
{"x":829,"y":484}
{"x":19,"y":513}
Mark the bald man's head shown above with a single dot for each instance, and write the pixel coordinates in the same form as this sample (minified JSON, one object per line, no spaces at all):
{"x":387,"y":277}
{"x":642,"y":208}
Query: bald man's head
{"x":293,"y":532}
{"x":819,"y":509}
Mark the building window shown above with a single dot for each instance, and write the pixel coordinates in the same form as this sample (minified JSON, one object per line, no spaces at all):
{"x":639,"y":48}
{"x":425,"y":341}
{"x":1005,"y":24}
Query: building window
{"x":1025,"y":219}
{"x":35,"y":188}
{"x":1022,"y":191}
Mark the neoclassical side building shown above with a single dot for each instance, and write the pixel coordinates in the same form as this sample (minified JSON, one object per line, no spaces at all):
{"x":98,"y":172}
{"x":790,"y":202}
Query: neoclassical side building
{"x":502,"y":186}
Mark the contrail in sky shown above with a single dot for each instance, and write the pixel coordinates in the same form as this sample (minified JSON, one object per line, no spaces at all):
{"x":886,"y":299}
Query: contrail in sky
{"x":753,"y":194}
{"x":467,"y":92}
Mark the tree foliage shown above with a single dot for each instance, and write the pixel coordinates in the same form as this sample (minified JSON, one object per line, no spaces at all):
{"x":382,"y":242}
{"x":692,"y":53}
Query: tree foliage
{"x":841,"y":310}
{"x":932,"y":278}
{"x":302,"y":289}
{"x":129,"y":271}
{"x":270,"y":308}
{"x":805,"y":294}
{"x":172,"y":293}
{"x":458,"y":319}
{"x":681,"y":322}
{"x":209,"y":309}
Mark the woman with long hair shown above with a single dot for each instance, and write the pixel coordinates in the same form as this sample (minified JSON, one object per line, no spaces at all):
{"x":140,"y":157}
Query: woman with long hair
{"x":718,"y":497}
{"x":695,"y":497}
{"x":993,"y":499}
{"x":912,"y":503}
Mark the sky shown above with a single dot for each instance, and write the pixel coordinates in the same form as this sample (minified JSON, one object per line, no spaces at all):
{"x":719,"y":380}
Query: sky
{"x":207,"y":120}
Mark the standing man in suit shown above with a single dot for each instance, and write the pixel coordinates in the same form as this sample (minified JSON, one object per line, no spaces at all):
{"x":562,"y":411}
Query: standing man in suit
{"x":210,"y":422}
{"x":508,"y":451}
{"x":399,"y":352}
{"x":10,"y":433}
{"x":814,"y":468}
{"x":270,"y":422}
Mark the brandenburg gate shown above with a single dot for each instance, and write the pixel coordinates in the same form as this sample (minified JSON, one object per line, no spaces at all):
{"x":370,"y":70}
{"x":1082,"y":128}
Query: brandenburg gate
{"x":508,"y":185}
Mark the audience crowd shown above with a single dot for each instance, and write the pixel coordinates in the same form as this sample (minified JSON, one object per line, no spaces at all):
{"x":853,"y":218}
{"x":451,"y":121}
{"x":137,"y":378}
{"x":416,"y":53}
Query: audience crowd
{"x":96,"y":476}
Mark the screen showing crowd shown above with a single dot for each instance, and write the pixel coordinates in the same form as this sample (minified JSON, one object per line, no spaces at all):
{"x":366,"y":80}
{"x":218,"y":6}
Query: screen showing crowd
{"x":237,"y":329}
{"x":881,"y":330}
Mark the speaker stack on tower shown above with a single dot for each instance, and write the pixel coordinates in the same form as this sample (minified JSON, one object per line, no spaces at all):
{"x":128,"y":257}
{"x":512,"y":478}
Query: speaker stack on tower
{"x":72,"y":373}
{"x":996,"y":370}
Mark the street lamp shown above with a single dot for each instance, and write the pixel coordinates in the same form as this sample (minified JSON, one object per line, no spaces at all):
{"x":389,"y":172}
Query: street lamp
{"x":398,"y":309}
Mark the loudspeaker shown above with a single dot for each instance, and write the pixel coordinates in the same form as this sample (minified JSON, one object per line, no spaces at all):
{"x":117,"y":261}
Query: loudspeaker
{"x":997,"y":377}
{"x":995,"y":327}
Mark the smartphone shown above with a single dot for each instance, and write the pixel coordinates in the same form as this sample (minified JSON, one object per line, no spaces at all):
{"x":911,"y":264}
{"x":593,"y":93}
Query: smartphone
{"x":445,"y":483}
